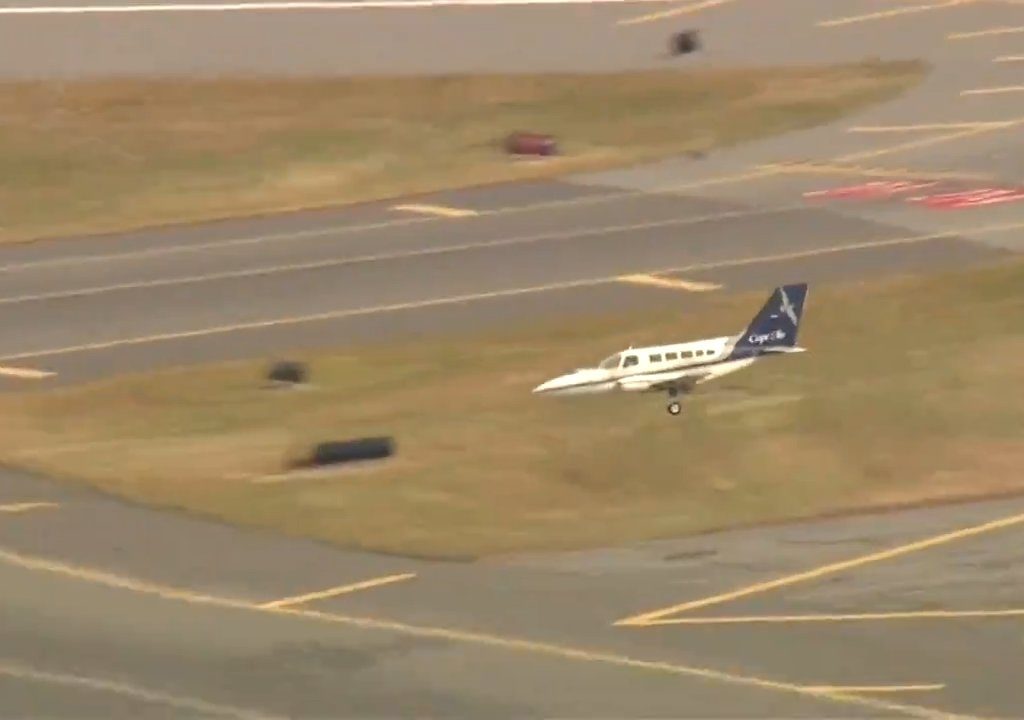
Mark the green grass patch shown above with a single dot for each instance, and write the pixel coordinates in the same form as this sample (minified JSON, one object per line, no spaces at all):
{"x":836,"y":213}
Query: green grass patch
{"x":108,"y":155}
{"x":909,"y":393}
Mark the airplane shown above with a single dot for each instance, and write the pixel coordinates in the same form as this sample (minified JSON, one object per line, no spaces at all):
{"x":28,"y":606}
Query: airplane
{"x":678,"y":368}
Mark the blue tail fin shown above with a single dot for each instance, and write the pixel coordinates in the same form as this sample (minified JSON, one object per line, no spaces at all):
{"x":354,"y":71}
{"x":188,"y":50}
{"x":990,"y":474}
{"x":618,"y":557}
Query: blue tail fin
{"x":776,"y":325}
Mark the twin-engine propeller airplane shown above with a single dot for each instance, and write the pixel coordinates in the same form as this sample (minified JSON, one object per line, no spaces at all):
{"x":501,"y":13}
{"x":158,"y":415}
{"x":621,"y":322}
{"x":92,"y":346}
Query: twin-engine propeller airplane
{"x":678,"y":368}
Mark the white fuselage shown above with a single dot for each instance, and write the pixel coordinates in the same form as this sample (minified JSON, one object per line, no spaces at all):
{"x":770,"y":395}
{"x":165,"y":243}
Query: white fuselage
{"x":640,"y":369}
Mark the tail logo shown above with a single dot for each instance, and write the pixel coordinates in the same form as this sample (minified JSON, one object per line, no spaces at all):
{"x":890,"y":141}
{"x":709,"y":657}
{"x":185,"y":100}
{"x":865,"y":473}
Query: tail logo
{"x":787,"y":307}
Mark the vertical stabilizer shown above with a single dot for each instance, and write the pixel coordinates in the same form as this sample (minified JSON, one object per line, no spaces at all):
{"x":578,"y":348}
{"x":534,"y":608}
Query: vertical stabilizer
{"x":776,"y":325}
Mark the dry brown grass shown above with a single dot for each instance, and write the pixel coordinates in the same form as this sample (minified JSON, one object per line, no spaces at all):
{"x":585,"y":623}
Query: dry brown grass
{"x":107,"y":155}
{"x":909,"y":393}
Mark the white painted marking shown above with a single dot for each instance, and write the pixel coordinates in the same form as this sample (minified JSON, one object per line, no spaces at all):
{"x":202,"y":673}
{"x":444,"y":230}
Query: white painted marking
{"x":985,"y":33}
{"x":1009,"y":59}
{"x":292,"y":5}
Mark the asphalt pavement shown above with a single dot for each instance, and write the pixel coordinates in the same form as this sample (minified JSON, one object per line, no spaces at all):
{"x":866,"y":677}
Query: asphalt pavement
{"x":115,"y":610}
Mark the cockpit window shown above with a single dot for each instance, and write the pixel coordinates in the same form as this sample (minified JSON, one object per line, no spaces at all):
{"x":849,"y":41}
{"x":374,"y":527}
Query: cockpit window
{"x":630,"y":360}
{"x":610,"y":363}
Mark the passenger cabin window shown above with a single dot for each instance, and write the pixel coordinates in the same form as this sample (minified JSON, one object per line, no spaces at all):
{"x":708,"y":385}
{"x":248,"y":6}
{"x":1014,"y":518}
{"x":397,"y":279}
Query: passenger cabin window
{"x":655,"y":358}
{"x":686,"y":354}
{"x":630,"y":361}
{"x":671,"y":356}
{"x":699,"y":353}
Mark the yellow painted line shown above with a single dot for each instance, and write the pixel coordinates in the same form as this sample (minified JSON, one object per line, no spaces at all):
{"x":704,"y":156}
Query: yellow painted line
{"x":882,"y":14}
{"x":437,"y":210}
{"x":875,"y":688}
{"x":1009,"y":59}
{"x":994,"y":90}
{"x":26,"y":673}
{"x":335,"y":591}
{"x":841,"y":617}
{"x":26,"y":507}
{"x":670,"y":283}
{"x":986,"y":33}
{"x":928,"y":127}
{"x":830,"y":569}
{"x":514,"y":292}
{"x":25,"y":373}
{"x":675,"y":12}
{"x":511,"y":644}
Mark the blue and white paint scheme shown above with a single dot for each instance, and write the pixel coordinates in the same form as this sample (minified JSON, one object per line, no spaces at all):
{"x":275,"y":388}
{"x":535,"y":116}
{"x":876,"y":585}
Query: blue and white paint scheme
{"x":679,"y":367}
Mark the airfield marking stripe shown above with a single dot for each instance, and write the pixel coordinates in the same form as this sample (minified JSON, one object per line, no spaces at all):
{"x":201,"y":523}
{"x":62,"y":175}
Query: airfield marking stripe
{"x":924,"y":687}
{"x":336,"y":591}
{"x":289,"y":5}
{"x":111,"y":580}
{"x":824,"y":570}
{"x":25,"y":373}
{"x":675,"y":12}
{"x":561,"y":235}
{"x":20,"y":671}
{"x":670,"y":283}
{"x":985,"y":33}
{"x":812,"y":168}
{"x":925,"y":142}
{"x":839,"y":617}
{"x":458,"y":299}
{"x":929,"y":127}
{"x":440,"y":210}
{"x":883,"y":14}
{"x":12,"y":508}
{"x":994,"y":90}
{"x":1008,"y":59}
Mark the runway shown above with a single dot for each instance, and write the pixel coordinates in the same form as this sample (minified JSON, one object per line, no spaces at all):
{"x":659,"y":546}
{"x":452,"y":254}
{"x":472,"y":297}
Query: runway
{"x":115,"y":610}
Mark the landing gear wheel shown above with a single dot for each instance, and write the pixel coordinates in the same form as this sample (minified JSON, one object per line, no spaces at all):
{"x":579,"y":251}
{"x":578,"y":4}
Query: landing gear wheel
{"x":674,"y":408}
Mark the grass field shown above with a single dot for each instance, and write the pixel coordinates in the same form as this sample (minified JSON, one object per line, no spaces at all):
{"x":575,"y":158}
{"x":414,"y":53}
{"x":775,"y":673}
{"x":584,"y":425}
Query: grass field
{"x":108,"y":155}
{"x":910,"y":392}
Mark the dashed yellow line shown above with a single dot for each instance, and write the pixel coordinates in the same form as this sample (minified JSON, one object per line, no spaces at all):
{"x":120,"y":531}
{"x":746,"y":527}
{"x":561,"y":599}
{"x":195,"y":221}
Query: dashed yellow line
{"x":439,"y":210}
{"x":994,"y":90}
{"x":675,"y":12}
{"x":511,"y":644}
{"x":882,"y":14}
{"x":335,"y":591}
{"x":12,"y":508}
{"x":649,"y":618}
{"x":986,"y":33}
{"x":670,"y":283}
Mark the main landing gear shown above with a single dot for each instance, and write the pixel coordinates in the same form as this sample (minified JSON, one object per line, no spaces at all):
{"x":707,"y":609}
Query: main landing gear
{"x":674,"y":408}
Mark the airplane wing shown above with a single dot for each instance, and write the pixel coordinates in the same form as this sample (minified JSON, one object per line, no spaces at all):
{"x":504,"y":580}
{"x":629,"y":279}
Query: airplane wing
{"x":682,"y":380}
